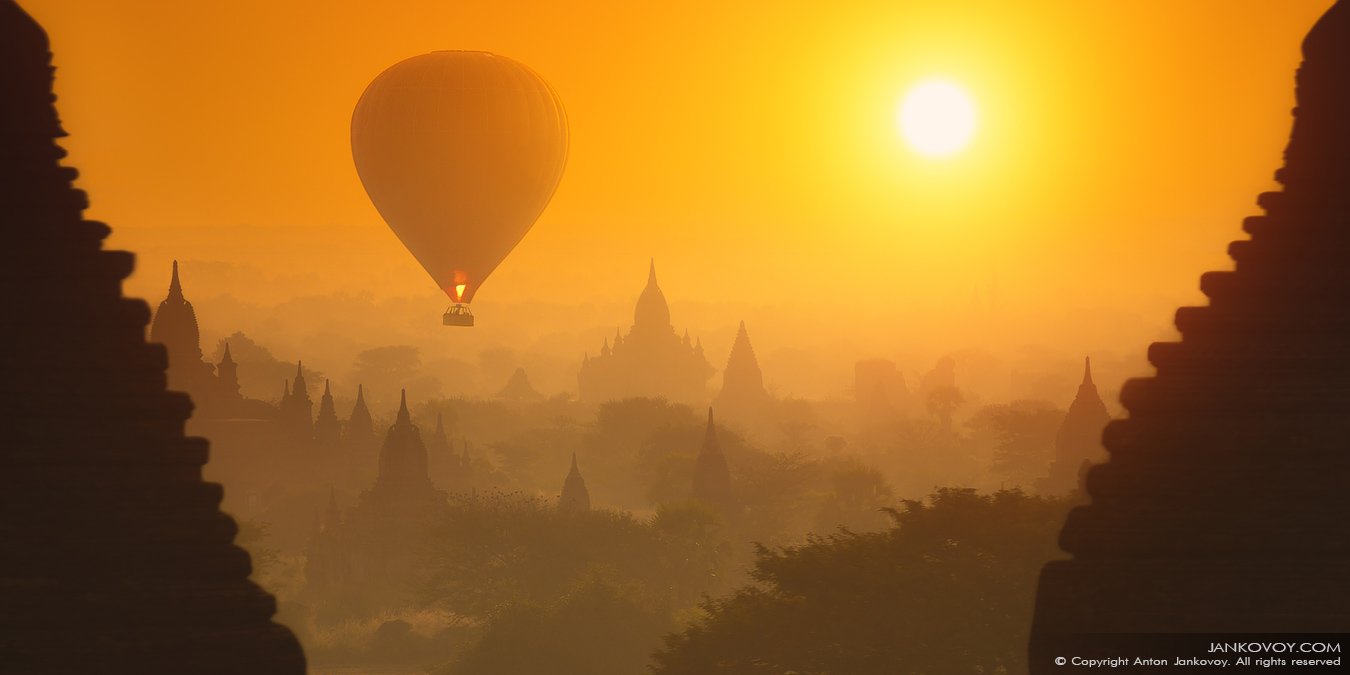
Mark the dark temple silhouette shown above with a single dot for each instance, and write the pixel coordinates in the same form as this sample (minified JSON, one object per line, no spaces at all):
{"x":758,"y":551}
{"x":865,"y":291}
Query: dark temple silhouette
{"x":117,"y":557}
{"x":1224,"y":506}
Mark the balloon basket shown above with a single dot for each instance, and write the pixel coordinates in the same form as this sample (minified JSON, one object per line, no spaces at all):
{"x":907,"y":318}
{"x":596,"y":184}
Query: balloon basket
{"x":458,"y":315}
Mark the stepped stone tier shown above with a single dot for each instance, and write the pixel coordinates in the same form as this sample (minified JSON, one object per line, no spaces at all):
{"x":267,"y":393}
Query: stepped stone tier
{"x":1225,"y":504}
{"x":117,"y":556}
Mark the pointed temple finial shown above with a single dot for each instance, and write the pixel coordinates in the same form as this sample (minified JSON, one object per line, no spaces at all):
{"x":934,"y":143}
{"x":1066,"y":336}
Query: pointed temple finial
{"x":403,"y":416}
{"x":327,"y":390}
{"x":226,"y":358}
{"x":712,"y":478}
{"x":651,"y":312}
{"x":175,"y":288}
{"x":361,"y":394}
{"x":1087,"y":370}
{"x":575,"y":497}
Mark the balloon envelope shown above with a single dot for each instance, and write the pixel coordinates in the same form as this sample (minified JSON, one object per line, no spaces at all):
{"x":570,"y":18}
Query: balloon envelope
{"x":460,"y":152}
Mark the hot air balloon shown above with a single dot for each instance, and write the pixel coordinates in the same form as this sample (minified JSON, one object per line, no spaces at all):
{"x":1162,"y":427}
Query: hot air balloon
{"x":460,"y":152}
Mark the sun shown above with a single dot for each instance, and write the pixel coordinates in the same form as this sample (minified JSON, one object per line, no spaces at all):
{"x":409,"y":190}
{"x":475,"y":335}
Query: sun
{"x":937,"y":118}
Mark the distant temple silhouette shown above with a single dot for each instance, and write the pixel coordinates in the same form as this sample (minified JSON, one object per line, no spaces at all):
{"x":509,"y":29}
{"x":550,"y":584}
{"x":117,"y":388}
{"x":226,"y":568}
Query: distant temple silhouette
{"x":651,"y":360}
{"x":575,"y":497}
{"x":118,"y":558}
{"x":175,"y":327}
{"x":295,"y":413}
{"x":327,"y":428}
{"x":1224,"y":506}
{"x":712,"y":477}
{"x":743,"y":396}
{"x":518,"y":388}
{"x":403,"y":460}
{"x":368,"y":558}
{"x":1078,"y":443}
{"x":360,"y":431}
{"x":214,"y":390}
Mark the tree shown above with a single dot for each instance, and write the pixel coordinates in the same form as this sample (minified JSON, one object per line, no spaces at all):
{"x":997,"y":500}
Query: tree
{"x":947,"y":589}
{"x":386,"y":370}
{"x":1024,"y":433}
{"x":598,"y":629}
{"x":942,"y":403}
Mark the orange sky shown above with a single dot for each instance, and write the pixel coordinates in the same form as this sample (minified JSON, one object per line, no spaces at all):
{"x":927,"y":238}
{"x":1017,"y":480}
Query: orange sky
{"x":751,"y":148}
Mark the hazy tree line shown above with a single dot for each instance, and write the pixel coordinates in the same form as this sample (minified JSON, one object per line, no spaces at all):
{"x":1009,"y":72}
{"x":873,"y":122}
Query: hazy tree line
{"x":830,"y":561}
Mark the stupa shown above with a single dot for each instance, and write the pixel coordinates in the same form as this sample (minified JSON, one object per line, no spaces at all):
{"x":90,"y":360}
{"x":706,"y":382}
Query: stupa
{"x":575,"y":497}
{"x":743,"y":395}
{"x":712,"y":477}
{"x":1078,"y":443}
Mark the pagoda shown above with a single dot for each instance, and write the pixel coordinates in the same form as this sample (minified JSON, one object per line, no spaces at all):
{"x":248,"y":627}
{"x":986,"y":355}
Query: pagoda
{"x":650,"y":361}
{"x":743,"y":396}
{"x":1225,"y":504}
{"x":519,"y":389}
{"x":118,"y":558}
{"x":712,"y":477}
{"x":1078,"y":444}
{"x":175,"y":327}
{"x":295,"y":414}
{"x":575,"y":497}
{"x":360,"y":431}
{"x":327,"y":429}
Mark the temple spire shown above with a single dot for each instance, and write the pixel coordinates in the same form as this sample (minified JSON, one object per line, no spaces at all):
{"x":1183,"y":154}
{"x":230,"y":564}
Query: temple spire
{"x":227,"y":376}
{"x":403,"y":457}
{"x":175,"y":288}
{"x":575,"y":497}
{"x":1078,"y":442}
{"x":403,"y":416}
{"x":360,"y":428}
{"x":327,"y":428}
{"x":743,"y":395}
{"x":652,"y":312}
{"x":712,"y":477}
